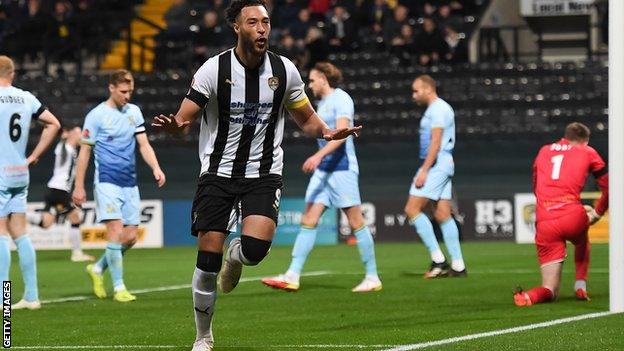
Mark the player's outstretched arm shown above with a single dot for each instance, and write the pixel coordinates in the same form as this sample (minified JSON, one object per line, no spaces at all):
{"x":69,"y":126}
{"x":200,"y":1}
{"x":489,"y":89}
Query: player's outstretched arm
{"x":51,"y":126}
{"x":312,"y":125}
{"x":79,"y":196}
{"x":178,"y":124}
{"x":149,"y":156}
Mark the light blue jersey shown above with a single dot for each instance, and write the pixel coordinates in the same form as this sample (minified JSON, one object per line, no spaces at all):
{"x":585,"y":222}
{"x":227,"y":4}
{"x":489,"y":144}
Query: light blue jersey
{"x":438,"y":115}
{"x":337,"y":105}
{"x":112,"y":133}
{"x":438,"y":184}
{"x":17,"y":109}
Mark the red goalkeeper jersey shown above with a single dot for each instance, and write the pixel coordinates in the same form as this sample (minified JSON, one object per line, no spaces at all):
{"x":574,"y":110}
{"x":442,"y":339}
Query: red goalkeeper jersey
{"x":559,"y":174}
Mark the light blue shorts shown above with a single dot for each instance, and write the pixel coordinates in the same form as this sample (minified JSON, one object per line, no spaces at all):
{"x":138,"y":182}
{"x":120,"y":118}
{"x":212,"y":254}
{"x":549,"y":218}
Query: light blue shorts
{"x":13,"y":200}
{"x":334,"y":189}
{"x":437,"y":186}
{"x":115,"y":202}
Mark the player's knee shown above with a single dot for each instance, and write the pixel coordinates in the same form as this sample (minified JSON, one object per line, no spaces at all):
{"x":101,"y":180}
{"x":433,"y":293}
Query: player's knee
{"x":254,"y":250}
{"x":442,"y":216}
{"x":46,"y":220}
{"x":411,"y":211}
{"x":309,"y":221}
{"x":209,"y":261}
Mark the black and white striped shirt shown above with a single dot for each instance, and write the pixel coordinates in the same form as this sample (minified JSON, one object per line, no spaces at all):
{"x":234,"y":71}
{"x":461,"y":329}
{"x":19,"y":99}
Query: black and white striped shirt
{"x":242,"y":124}
{"x":64,"y":167}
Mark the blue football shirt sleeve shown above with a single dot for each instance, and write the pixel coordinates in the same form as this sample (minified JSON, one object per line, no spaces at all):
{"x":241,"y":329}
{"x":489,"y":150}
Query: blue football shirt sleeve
{"x":345,"y":108}
{"x":140,"y":122}
{"x":36,"y":107}
{"x":90,"y":128}
{"x":438,"y":117}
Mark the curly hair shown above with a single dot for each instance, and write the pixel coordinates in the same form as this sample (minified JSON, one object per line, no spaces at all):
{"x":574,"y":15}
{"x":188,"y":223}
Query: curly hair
{"x":236,"y":6}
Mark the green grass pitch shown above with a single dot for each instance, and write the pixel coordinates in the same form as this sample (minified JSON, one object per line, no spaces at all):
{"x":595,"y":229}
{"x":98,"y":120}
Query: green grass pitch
{"x":324,"y":314}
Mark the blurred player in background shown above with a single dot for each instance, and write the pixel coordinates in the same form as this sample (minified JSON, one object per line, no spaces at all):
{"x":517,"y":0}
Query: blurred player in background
{"x":58,"y":202}
{"x":112,"y":129}
{"x":241,"y":97}
{"x":433,"y":180}
{"x":334,"y":183}
{"x":559,"y":174}
{"x":18,"y":108}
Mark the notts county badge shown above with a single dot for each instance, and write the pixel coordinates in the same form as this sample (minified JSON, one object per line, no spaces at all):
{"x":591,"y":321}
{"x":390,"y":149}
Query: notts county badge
{"x":273,"y":83}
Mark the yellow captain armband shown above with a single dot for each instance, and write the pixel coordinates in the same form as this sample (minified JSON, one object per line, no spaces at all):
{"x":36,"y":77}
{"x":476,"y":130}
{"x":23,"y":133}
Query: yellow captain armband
{"x":295,"y":105}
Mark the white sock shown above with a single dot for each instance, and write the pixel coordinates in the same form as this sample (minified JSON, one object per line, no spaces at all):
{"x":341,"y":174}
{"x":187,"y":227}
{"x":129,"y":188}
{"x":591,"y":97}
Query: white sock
{"x":437,"y":256}
{"x":97,"y":269}
{"x":75,"y":238}
{"x":34,"y":217}
{"x":458,"y":265}
{"x":580,"y":284}
{"x":120,"y":287}
{"x":292,"y":277}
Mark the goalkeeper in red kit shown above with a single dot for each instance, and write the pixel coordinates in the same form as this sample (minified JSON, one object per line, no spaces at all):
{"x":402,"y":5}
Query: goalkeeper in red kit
{"x":559,"y":175}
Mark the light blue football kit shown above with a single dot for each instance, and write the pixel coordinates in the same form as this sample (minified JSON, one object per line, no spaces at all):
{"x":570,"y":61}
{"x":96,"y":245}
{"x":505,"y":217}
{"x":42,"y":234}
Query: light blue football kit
{"x":112,"y":132}
{"x":17,"y":109}
{"x":438,"y":185}
{"x":335,"y":181}
{"x":335,"y":184}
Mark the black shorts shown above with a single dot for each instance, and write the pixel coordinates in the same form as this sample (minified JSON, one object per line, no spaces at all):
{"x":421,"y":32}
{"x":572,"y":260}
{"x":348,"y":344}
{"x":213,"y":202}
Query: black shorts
{"x":59,"y":200}
{"x":216,"y":197}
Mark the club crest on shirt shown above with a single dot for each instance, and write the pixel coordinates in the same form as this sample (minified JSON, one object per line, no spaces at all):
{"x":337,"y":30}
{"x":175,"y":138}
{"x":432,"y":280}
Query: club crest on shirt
{"x":273,"y":83}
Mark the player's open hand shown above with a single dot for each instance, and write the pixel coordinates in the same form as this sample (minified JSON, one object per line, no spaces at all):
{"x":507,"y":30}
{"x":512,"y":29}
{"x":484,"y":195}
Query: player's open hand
{"x":311,"y":163}
{"x":342,"y":133}
{"x":169,"y":124}
{"x":420,"y":179}
{"x":160,"y":177}
{"x":31,"y":161}
{"x":79,"y":196}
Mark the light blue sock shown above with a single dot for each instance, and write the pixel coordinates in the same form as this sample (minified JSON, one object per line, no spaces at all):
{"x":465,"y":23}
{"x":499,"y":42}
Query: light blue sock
{"x":103,"y":264}
{"x":28,"y":265}
{"x":424,"y":228}
{"x":114,"y":257}
{"x":451,"y":238}
{"x":303,"y":245}
{"x":5,"y":257}
{"x":366,"y":246}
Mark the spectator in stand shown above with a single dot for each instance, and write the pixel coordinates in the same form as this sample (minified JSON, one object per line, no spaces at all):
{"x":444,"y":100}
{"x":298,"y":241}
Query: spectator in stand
{"x":445,"y":18}
{"x":285,"y":14}
{"x":430,"y":43}
{"x":36,"y":22}
{"x":89,"y":27}
{"x":319,"y":9}
{"x":392,"y":26}
{"x":178,"y":19}
{"x":316,"y":48}
{"x":456,"y":50}
{"x":288,"y":48}
{"x":379,"y":14}
{"x":403,"y":45}
{"x":210,"y":35}
{"x":60,"y":46}
{"x":300,"y":29}
{"x":427,"y":10}
{"x":341,"y":30}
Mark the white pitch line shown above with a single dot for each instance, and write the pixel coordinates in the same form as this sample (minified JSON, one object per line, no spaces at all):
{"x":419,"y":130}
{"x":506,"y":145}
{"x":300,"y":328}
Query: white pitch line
{"x":169,"y":288}
{"x":91,"y":347}
{"x":499,"y":332}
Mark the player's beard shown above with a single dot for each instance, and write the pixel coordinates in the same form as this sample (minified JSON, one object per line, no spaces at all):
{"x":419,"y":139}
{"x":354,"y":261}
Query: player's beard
{"x":249,"y":45}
